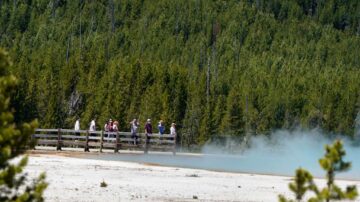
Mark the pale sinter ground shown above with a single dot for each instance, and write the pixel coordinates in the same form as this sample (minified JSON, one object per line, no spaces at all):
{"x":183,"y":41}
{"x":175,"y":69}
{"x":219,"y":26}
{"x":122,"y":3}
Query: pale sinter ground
{"x":76,"y":179}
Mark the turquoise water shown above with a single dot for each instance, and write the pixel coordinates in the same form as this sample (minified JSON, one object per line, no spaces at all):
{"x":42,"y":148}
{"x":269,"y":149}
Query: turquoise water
{"x":281,"y":154}
{"x":232,"y":163}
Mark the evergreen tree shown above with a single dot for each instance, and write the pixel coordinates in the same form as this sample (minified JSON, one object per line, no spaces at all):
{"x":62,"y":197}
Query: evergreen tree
{"x":14,"y":139}
{"x":332,"y":163}
{"x":274,"y":64}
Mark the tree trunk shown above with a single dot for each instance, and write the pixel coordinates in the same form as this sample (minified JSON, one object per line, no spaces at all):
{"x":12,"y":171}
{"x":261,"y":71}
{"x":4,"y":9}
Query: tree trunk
{"x":258,"y":4}
{"x":107,"y":56}
{"x":208,"y":81}
{"x":80,"y":28}
{"x":68,"y":51}
{"x":54,"y":5}
{"x":214,"y":61}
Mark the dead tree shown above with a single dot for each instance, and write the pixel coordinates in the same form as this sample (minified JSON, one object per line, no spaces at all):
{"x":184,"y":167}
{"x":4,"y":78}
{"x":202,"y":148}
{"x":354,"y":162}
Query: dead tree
{"x":53,"y":8}
{"x":80,"y":13}
{"x":212,"y":57}
{"x":112,"y":15}
{"x":208,"y":81}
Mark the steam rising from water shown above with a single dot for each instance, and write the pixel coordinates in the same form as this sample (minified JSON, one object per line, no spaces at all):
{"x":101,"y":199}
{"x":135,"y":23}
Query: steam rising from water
{"x":281,"y":153}
{"x":357,"y":126}
{"x":284,"y":151}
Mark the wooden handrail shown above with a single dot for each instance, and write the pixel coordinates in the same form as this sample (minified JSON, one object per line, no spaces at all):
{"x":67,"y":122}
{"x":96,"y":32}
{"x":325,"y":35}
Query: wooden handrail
{"x":99,"y":132}
{"x":102,"y":139}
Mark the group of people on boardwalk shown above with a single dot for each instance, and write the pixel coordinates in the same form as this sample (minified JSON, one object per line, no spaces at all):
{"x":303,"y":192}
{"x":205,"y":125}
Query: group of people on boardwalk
{"x":113,"y":126}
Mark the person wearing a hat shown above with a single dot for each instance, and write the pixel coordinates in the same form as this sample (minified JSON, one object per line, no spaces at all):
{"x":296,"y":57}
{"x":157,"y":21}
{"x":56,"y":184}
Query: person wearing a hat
{"x":110,"y":125}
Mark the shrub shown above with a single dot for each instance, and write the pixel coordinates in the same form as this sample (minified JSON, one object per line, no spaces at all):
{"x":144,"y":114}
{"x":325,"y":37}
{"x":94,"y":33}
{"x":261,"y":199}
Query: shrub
{"x":332,"y":163}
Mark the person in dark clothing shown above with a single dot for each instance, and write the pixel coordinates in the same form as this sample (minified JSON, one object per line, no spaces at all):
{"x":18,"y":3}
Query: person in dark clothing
{"x":110,"y":126}
{"x":148,"y":130}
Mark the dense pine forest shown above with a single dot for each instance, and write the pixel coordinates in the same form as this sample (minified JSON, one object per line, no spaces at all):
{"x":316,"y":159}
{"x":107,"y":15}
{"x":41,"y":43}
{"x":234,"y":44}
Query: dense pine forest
{"x":214,"y":67}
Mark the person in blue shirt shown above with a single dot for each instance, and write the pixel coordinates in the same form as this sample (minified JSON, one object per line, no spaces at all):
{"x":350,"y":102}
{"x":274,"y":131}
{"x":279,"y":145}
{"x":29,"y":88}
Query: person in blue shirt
{"x":161,"y":127}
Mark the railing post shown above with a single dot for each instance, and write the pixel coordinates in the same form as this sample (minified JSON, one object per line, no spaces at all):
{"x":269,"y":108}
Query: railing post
{"x":33,"y":141}
{"x":87,"y":142}
{"x":101,"y":140}
{"x":174,"y":148}
{"x":147,"y":141}
{"x":116,"y":148}
{"x":58,"y":146}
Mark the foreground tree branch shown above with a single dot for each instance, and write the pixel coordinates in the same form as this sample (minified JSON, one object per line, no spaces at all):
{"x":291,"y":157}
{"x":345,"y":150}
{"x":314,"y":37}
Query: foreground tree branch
{"x":14,"y":139}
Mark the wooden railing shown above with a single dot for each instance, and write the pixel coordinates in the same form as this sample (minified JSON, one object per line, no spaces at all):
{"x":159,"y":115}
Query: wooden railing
{"x":104,"y":140}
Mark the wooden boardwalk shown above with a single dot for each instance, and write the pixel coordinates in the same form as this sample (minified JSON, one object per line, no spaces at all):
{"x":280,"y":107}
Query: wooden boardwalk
{"x":100,"y":140}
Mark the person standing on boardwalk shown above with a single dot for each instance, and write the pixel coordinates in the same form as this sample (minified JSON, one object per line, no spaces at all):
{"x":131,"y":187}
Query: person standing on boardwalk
{"x":148,"y":130}
{"x":115,"y":126}
{"x":77,"y":126}
{"x":134,"y":127}
{"x":106,"y":127}
{"x":92,"y":125}
{"x":173,"y":129}
{"x":110,"y":126}
{"x":161,"y":127}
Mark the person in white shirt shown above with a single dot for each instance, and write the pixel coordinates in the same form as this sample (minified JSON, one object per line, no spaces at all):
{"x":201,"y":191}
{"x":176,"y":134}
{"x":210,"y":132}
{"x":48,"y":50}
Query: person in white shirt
{"x":92,"y":125}
{"x":173,"y":129}
{"x":77,"y":126}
